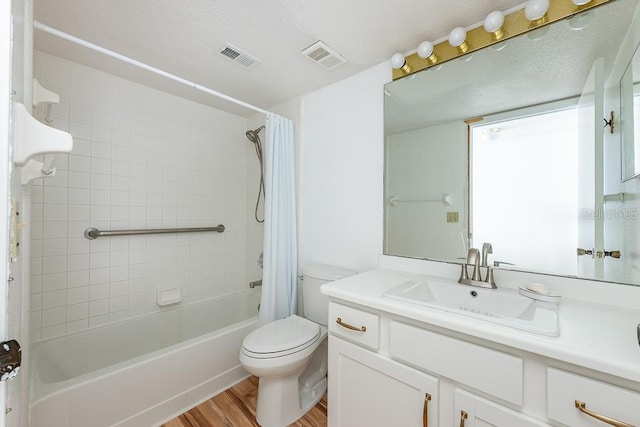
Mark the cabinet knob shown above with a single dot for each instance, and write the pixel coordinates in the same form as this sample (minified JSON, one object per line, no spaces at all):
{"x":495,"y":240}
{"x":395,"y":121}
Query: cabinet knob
{"x":582,"y":407}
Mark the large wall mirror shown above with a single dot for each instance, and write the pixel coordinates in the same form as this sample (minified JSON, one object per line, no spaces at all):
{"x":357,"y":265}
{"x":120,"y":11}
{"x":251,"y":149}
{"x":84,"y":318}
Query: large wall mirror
{"x":506,"y":150}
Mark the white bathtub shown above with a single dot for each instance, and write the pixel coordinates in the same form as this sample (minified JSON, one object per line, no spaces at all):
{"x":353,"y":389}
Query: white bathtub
{"x":144,"y":371}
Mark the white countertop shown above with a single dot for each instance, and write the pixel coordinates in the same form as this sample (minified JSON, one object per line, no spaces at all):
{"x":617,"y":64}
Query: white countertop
{"x":595,"y":336}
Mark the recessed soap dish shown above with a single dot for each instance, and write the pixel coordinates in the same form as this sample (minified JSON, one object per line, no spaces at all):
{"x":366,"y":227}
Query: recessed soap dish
{"x":540,"y":297}
{"x":168,"y":296}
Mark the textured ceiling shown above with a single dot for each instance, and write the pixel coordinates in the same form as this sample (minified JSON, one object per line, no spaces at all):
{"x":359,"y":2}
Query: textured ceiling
{"x":549,"y":64}
{"x":181,"y":37}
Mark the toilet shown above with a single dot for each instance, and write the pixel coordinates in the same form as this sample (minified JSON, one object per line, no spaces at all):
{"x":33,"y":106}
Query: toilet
{"x":290,"y":355}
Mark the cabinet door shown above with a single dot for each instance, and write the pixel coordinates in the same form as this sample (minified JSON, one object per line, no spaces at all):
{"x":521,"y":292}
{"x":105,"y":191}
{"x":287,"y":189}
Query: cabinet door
{"x":369,"y":390}
{"x":473,"y":411}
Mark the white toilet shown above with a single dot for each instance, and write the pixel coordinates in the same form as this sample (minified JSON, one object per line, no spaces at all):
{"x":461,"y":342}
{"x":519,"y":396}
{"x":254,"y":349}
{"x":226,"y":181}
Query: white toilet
{"x":290,"y":355}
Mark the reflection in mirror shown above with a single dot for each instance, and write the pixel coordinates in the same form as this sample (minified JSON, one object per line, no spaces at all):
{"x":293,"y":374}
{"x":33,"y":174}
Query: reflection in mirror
{"x":513,"y":135}
{"x":534,"y":167}
{"x":630,"y":115}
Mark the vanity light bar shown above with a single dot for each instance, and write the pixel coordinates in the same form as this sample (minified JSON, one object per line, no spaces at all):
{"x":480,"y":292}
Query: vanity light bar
{"x":515,"y":23}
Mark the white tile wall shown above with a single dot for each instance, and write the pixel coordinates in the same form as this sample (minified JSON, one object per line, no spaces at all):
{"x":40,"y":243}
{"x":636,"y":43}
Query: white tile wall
{"x":141,"y":159}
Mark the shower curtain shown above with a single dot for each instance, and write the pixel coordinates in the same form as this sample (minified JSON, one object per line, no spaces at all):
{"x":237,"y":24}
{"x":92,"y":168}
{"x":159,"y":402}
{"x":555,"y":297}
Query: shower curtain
{"x":280,"y":249}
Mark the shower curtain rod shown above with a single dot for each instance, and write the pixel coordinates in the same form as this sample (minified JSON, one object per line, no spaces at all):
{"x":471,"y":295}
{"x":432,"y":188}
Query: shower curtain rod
{"x":40,"y":26}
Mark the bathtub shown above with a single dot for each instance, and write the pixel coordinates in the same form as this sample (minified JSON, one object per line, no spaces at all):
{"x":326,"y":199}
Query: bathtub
{"x":143,"y":371}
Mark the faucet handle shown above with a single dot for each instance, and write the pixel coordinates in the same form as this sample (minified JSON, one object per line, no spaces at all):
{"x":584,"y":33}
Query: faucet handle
{"x":464,"y":274}
{"x":489,"y":279}
{"x":472,"y":256}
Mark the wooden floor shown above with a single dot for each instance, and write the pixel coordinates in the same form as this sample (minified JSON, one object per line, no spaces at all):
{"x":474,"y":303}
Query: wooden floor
{"x":236,"y":407}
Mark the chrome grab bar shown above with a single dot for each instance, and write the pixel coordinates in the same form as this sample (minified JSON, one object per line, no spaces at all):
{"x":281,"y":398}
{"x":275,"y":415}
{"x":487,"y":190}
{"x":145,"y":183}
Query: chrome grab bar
{"x":93,"y":233}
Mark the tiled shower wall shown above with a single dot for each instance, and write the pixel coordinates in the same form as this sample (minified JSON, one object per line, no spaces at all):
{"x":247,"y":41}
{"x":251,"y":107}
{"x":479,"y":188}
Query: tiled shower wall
{"x":141,"y":159}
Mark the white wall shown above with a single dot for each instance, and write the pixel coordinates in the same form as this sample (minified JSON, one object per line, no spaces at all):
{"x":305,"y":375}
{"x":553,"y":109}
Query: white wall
{"x":141,"y":159}
{"x":341,"y":170}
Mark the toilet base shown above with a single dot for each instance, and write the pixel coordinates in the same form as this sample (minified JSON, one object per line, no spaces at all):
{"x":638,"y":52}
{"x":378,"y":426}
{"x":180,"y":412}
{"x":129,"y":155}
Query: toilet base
{"x":281,"y":403}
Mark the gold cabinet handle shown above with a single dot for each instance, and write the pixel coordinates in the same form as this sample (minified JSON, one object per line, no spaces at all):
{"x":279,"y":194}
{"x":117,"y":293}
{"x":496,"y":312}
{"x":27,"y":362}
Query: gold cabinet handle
{"x":348,"y":326}
{"x":425,"y":410}
{"x":463,"y":416}
{"x":582,"y":407}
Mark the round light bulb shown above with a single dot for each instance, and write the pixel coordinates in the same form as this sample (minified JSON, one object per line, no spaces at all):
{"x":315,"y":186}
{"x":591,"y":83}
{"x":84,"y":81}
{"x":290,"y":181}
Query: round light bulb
{"x":536,"y":9}
{"x":457,"y":36}
{"x":580,"y":2}
{"x":425,"y":50}
{"x":397,"y":60}
{"x":494,"y":21}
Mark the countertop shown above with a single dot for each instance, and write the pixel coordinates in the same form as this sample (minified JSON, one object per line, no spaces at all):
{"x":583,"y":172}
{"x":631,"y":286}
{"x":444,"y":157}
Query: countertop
{"x":595,"y":336}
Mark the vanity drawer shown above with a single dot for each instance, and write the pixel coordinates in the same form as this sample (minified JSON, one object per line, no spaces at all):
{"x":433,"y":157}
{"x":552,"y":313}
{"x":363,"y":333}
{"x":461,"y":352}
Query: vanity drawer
{"x":356,"y":325}
{"x":564,"y":389}
{"x":493,"y":372}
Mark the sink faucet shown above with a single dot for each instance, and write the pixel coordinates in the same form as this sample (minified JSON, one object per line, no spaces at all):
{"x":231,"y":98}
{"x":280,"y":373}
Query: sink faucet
{"x":473,"y":257}
{"x":486,"y":250}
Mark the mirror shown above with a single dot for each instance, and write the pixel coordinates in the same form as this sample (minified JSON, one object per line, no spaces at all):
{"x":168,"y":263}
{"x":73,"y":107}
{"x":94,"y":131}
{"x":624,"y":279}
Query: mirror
{"x":502,"y":146}
{"x":630,"y":115}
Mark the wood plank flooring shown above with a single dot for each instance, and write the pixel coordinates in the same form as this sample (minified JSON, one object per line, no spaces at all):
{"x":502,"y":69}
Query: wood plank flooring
{"x":236,"y":407}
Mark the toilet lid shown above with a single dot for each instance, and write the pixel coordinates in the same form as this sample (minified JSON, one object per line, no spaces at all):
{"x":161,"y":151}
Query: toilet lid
{"x":282,"y":336}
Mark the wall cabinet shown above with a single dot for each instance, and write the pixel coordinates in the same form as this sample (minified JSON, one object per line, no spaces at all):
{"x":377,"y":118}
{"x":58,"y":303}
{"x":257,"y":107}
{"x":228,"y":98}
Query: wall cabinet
{"x":384,"y":371}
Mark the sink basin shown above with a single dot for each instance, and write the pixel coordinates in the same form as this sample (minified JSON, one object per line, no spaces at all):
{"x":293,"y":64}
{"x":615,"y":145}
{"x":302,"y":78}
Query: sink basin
{"x":502,"y":306}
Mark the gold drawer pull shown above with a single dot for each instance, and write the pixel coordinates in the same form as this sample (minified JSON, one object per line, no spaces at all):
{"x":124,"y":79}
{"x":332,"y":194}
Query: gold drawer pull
{"x":582,"y":407}
{"x":463,"y":416}
{"x":425,"y":410}
{"x":348,"y":326}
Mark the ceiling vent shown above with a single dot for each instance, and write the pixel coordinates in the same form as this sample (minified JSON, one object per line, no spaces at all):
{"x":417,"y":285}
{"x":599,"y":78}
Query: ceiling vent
{"x":239,"y":57}
{"x":323,"y":55}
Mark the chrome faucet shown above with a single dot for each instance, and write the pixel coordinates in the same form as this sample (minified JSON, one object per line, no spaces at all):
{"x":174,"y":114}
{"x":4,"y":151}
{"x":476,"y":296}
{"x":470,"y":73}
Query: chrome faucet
{"x":486,"y":250}
{"x":473,"y":258}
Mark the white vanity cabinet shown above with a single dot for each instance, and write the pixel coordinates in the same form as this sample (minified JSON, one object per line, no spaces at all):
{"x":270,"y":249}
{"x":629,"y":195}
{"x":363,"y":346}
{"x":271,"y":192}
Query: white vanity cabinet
{"x":386,"y":370}
{"x":567,"y":391}
{"x":370,"y":390}
{"x":474,"y":411}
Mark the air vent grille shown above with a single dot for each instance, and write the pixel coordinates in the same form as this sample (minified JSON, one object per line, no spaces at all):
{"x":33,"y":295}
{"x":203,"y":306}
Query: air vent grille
{"x":238,"y":56}
{"x":323,"y":55}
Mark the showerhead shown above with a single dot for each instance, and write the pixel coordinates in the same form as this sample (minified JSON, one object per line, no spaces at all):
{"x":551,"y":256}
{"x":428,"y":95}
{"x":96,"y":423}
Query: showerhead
{"x":252,"y":135}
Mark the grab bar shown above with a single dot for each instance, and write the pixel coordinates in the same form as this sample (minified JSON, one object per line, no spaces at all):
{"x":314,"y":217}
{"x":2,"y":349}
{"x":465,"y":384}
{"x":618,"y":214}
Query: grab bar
{"x":93,"y":233}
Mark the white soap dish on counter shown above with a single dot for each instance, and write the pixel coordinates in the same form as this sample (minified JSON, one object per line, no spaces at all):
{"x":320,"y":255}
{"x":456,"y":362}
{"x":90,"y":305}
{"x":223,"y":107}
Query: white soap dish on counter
{"x":540,"y":296}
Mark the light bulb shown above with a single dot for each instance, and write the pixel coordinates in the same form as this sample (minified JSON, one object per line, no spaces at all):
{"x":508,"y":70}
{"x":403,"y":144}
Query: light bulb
{"x":399,"y":63}
{"x":580,"y":2}
{"x":457,"y":39}
{"x":425,"y":51}
{"x":536,"y":9}
{"x":493,"y":24}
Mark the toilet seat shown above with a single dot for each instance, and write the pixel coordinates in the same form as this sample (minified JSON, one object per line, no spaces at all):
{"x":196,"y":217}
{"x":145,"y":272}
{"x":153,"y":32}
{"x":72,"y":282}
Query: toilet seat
{"x":281,"y":338}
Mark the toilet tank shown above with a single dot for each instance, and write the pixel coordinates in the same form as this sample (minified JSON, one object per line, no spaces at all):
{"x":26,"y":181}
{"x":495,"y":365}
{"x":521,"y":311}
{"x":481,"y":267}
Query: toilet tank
{"x":314,"y":303}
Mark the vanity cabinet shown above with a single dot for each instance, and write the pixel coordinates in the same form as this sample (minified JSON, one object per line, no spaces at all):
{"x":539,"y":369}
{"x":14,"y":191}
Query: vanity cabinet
{"x":385,"y":370}
{"x":567,"y":391}
{"x":370,"y":390}
{"x":473,"y":411}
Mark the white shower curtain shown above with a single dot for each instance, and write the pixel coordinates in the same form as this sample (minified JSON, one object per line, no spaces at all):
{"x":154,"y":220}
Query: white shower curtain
{"x":280,"y":248}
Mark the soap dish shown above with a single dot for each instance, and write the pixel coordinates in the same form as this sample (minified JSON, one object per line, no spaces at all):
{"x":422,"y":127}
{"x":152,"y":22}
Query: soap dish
{"x":540,"y":297}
